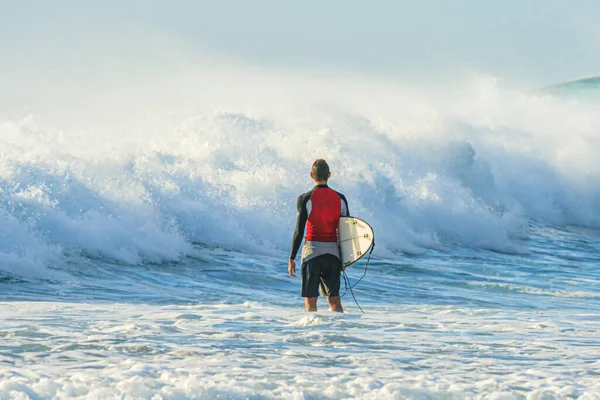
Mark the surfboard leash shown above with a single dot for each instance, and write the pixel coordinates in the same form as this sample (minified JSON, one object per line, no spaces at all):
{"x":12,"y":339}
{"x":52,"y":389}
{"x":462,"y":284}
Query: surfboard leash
{"x":350,"y":286}
{"x":347,"y":283}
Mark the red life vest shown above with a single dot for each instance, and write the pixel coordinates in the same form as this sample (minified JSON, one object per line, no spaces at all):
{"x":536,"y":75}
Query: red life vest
{"x":324,"y":210}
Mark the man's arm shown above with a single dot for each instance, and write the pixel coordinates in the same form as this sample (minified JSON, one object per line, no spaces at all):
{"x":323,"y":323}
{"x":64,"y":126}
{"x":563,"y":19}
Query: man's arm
{"x":300,"y":225}
{"x":345,"y":210}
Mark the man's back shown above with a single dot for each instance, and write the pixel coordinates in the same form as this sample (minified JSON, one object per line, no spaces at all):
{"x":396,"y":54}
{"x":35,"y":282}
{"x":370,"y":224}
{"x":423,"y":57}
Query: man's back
{"x":319,"y":212}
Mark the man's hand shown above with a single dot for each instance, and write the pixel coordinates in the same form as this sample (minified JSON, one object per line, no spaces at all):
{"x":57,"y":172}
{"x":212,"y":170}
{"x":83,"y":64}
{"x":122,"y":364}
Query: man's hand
{"x":292,"y":268}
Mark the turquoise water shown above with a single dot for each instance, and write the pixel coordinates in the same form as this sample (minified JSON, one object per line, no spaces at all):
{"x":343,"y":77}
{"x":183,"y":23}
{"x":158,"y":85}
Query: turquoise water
{"x":150,"y":261}
{"x":455,"y":323}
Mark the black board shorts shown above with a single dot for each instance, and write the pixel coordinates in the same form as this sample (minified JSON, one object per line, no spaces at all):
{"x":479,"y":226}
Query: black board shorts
{"x":322,"y":271}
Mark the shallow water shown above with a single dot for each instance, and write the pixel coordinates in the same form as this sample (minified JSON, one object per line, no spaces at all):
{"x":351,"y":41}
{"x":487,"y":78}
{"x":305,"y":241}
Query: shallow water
{"x":457,"y":323}
{"x":148,"y":260}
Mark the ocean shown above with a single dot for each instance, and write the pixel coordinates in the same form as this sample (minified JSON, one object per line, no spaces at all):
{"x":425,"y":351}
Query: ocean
{"x":149,"y":260}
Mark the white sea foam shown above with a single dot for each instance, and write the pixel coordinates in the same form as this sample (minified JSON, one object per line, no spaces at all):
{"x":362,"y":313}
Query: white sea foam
{"x":222,"y":158}
{"x":533,"y":290}
{"x":61,"y":350}
{"x":115,"y":153}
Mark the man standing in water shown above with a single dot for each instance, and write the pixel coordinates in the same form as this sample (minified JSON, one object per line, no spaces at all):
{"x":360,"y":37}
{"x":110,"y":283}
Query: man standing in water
{"x":319,"y":210}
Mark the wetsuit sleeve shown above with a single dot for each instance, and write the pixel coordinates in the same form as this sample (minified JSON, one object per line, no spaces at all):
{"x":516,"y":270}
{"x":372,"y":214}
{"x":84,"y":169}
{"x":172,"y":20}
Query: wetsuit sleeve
{"x":345,"y":210}
{"x":300,"y":225}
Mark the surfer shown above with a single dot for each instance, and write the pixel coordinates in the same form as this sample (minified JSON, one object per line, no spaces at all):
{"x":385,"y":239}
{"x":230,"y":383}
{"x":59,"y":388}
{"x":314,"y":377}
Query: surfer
{"x":319,"y":211}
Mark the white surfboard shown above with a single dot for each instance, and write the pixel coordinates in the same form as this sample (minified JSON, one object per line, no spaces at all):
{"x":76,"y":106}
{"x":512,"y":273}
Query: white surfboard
{"x":356,"y":238}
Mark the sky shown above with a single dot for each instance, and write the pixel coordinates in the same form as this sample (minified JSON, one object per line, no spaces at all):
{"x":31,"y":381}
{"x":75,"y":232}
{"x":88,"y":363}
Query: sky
{"x":528,"y":41}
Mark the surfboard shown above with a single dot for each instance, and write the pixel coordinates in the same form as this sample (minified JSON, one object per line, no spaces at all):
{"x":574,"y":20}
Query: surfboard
{"x":356,"y":238}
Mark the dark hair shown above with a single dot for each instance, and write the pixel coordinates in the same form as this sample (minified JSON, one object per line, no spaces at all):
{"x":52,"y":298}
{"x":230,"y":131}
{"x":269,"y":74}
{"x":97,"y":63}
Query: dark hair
{"x":320,"y":170}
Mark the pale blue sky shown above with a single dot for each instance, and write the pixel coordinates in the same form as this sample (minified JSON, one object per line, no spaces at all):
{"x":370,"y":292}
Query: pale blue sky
{"x":527,"y":41}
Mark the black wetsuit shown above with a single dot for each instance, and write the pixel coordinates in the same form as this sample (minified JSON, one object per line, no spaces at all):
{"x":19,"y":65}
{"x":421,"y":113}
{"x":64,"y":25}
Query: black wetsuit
{"x":319,"y":211}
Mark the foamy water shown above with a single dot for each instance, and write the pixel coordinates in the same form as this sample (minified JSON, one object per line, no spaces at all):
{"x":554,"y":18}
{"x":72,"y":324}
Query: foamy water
{"x":252,"y":351}
{"x":145,"y":257}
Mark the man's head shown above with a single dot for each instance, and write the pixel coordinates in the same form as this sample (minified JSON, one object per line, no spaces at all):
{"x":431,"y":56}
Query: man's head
{"x":320,"y":171}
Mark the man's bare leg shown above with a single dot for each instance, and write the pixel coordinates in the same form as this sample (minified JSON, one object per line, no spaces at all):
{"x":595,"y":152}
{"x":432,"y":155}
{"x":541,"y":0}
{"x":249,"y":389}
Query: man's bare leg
{"x":310,"y":303}
{"x":335,"y":304}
